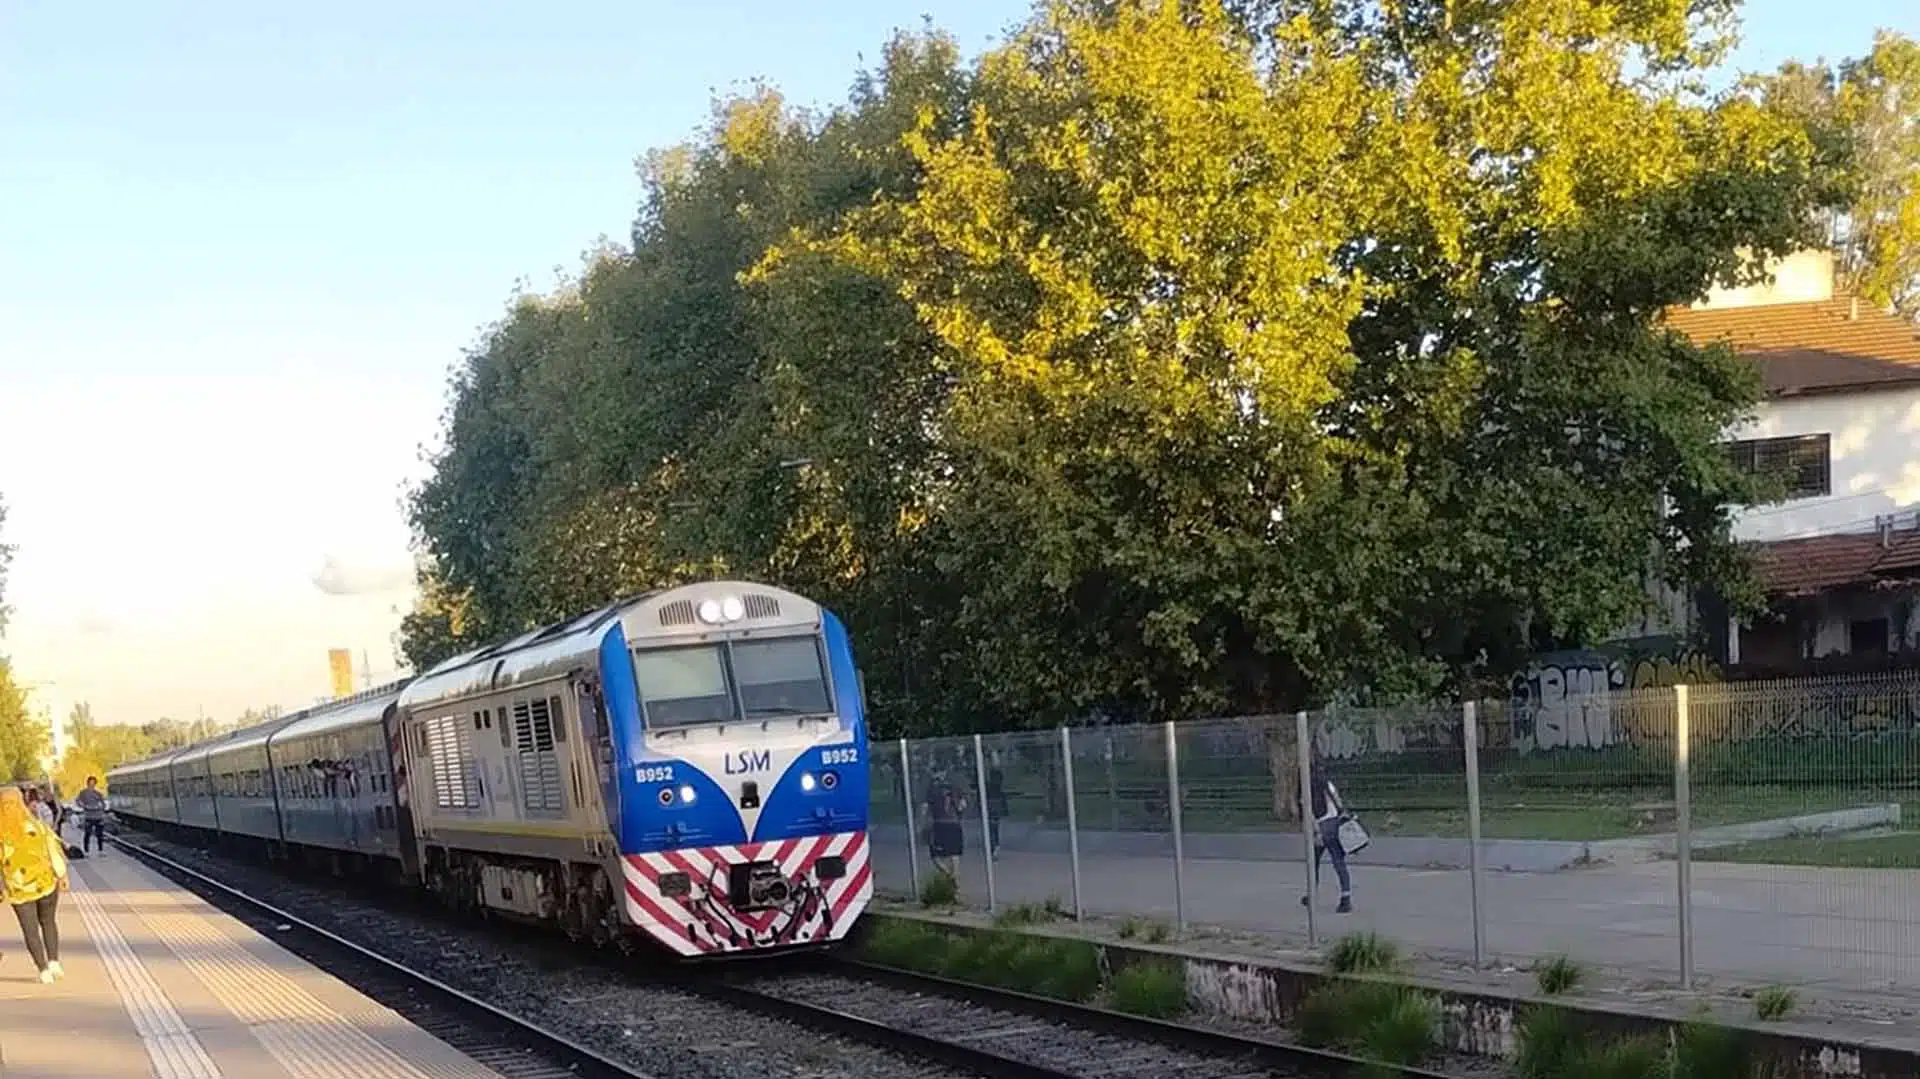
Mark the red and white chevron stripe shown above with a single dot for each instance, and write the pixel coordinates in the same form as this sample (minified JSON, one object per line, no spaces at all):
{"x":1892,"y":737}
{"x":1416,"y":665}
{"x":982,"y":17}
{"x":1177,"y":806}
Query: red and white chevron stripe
{"x":705,"y":923}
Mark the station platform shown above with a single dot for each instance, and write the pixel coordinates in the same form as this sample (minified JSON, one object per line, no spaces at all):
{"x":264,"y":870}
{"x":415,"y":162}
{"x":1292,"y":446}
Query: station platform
{"x":160,"y":984}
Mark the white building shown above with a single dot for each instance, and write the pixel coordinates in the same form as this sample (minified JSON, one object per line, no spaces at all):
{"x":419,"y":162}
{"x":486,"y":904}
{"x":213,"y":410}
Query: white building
{"x":1840,"y":556}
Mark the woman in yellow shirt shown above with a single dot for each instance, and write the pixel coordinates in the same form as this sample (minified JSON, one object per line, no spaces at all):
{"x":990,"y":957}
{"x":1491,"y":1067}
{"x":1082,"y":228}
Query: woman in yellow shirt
{"x":34,"y":862}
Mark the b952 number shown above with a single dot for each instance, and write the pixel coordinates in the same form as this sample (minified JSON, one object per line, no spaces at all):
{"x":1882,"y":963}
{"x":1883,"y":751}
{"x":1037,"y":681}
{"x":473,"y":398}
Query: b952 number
{"x":659,"y":773}
{"x":849,"y":755}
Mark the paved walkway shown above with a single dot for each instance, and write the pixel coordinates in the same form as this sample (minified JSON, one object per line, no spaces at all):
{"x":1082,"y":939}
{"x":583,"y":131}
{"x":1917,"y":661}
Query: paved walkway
{"x":161,"y":985}
{"x":1848,"y":928}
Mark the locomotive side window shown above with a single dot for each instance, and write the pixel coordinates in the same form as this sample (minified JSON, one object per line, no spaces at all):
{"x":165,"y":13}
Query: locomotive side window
{"x":780,"y":677}
{"x":682,"y":687}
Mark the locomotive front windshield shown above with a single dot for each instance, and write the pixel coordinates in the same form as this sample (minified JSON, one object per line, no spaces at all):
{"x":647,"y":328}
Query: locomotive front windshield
{"x":717,"y":683}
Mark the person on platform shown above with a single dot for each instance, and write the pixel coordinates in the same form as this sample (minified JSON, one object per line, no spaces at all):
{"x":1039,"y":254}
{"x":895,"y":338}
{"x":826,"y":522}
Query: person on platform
{"x":33,"y":862}
{"x":42,"y":807}
{"x":93,"y":815}
{"x":948,"y":842}
{"x":1327,"y":812}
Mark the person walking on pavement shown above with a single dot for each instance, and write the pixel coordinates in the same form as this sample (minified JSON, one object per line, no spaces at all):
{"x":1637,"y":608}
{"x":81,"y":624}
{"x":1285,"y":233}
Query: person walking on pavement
{"x":996,"y":806}
{"x":33,"y":863}
{"x":1327,"y":813}
{"x":93,"y":816}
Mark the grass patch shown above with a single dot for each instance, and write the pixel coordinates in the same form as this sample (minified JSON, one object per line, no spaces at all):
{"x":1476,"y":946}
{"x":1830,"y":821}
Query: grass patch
{"x":1030,"y":914}
{"x":1629,"y":1058}
{"x":1155,"y":990}
{"x":1362,"y":953}
{"x":1901,"y":850}
{"x":940,"y":890}
{"x":1558,"y":975}
{"x":1378,"y":1020}
{"x":905,"y":944}
{"x":1146,"y":930}
{"x":1045,"y":966}
{"x":1774,"y":1003}
{"x":1708,"y":1051}
{"x":1548,"y":1041}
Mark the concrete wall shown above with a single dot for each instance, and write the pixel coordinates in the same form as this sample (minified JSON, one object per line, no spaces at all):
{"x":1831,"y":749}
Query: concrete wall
{"x":1805,"y":277}
{"x":1875,"y":463}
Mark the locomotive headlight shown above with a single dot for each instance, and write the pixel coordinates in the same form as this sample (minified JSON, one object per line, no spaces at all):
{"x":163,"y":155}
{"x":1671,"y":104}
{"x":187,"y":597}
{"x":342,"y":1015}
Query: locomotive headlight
{"x":710,"y":611}
{"x":732,"y":609}
{"x":686,"y":794}
{"x":806,"y":781}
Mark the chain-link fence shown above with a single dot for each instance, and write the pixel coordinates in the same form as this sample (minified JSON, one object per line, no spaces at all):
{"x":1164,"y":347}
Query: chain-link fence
{"x":1780,"y":846}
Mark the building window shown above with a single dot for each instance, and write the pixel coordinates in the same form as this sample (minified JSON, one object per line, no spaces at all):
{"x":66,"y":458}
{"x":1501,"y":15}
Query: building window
{"x":1803,"y":462}
{"x":1867,"y":637}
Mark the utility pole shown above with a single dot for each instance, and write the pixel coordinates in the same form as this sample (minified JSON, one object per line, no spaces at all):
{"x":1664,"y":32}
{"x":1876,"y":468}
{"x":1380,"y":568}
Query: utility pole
{"x":366,"y":670}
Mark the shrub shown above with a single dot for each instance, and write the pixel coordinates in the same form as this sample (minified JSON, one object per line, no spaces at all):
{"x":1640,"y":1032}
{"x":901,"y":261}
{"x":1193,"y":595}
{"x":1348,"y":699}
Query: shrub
{"x":940,"y":890}
{"x":1774,"y":1003}
{"x":1155,"y":990}
{"x":1073,"y":972}
{"x":1548,"y":1041}
{"x":1629,"y":1058}
{"x":1360,"y":953}
{"x":1028,"y":914}
{"x":1376,"y":1019}
{"x":1557,"y":975}
{"x":1709,"y":1051}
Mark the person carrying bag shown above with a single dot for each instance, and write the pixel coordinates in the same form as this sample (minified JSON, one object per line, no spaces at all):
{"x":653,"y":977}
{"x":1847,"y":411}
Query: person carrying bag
{"x":1337,"y":834}
{"x":34,"y":863}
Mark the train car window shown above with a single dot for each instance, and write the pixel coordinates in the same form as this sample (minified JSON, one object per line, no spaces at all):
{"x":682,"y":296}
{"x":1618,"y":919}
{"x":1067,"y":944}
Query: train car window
{"x":682,"y":687}
{"x":781,"y":677}
{"x":559,"y":719}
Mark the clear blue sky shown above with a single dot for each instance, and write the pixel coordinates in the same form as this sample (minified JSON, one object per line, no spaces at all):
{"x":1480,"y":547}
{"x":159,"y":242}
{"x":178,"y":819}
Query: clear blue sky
{"x":240,"y":244}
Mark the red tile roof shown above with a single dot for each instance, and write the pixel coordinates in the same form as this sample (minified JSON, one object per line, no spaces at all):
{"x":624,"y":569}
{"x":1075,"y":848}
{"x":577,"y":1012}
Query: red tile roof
{"x":1817,"y":563}
{"x":1824,"y":346}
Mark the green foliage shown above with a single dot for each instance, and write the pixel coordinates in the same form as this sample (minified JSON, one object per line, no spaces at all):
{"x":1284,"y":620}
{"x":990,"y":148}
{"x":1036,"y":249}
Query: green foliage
{"x":1169,"y":359}
{"x":1047,"y":966}
{"x":1868,"y":112}
{"x":1155,"y":990}
{"x":1707,"y":1051}
{"x":1362,"y":953}
{"x":6,"y":562}
{"x":1557,"y":975}
{"x":1774,"y":1003}
{"x":1628,"y":1058}
{"x":1378,"y":1020}
{"x":1022,"y":914}
{"x":23,"y":738}
{"x":1549,"y":1040}
{"x":939,"y":890}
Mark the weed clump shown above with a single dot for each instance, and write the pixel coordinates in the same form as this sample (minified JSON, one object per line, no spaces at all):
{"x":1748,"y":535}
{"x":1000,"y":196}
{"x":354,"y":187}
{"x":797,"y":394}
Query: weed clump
{"x":1558,"y":975}
{"x":1395,"y":1023}
{"x":940,"y":890}
{"x":1774,"y":1003}
{"x":1362,"y":953}
{"x":1155,"y":990}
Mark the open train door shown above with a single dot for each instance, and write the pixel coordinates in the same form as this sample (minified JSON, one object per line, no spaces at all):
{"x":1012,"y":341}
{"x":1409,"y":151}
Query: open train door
{"x":395,"y":730}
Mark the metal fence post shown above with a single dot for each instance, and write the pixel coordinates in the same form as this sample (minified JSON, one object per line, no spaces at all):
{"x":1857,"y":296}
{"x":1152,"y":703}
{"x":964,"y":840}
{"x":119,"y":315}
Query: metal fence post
{"x":1179,"y":843}
{"x":1683,"y":827}
{"x":1470,"y":736}
{"x":1308,"y":825}
{"x":986,"y":821}
{"x":1073,"y":817}
{"x":913,"y":831}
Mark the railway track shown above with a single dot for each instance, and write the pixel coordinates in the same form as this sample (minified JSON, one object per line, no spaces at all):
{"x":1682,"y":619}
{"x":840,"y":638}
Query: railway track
{"x":965,"y":1028}
{"x":1041,"y":1038}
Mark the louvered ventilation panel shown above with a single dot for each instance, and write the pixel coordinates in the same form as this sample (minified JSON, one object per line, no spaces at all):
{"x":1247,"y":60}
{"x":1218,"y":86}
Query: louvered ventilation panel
{"x":760,"y":605}
{"x":678,"y":613}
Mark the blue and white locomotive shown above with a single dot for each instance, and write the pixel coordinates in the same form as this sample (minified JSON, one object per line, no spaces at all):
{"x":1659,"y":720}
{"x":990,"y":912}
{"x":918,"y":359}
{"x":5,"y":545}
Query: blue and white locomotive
{"x":689,"y":766}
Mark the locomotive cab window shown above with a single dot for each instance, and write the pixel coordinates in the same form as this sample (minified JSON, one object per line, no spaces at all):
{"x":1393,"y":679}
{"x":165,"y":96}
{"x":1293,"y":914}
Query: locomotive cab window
{"x":780,"y":677}
{"x":683,"y":687}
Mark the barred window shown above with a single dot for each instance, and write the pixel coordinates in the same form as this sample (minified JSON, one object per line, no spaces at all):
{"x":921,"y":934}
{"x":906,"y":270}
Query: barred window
{"x":1803,"y":463}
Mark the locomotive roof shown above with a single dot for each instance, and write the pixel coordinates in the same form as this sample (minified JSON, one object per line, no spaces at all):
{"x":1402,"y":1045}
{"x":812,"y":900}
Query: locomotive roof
{"x":531,"y":656}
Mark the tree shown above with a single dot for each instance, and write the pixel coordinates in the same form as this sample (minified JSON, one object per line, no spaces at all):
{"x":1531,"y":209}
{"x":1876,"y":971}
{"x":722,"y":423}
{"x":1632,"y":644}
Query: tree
{"x":6,"y":562}
{"x":1326,"y":357}
{"x":1869,"y":110}
{"x":1172,"y":358}
{"x":24,"y":740}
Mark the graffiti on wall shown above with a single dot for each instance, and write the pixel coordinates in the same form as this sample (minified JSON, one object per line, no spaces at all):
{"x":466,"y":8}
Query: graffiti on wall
{"x":1583,"y":698}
